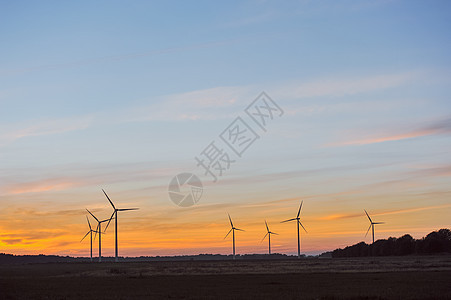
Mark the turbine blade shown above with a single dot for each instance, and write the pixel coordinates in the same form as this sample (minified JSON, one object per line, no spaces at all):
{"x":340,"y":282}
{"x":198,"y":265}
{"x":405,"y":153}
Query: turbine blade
{"x":109,"y":199}
{"x":267,"y":229}
{"x":368,"y":216}
{"x":92,"y":215}
{"x":89,"y":223}
{"x":379,"y":223}
{"x":239,"y":229}
{"x":302,"y":226}
{"x":85,"y":236}
{"x":97,"y":230}
{"x":109,"y":220}
{"x":368,"y":230}
{"x":274,"y":233}
{"x":230,"y":219}
{"x":124,"y":209}
{"x":289,"y":220}
{"x":264,"y":237}
{"x":228,"y":233}
{"x":299,"y":211}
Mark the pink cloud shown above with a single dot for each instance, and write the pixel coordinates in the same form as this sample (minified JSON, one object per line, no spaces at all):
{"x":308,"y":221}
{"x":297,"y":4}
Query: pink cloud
{"x":441,"y":127}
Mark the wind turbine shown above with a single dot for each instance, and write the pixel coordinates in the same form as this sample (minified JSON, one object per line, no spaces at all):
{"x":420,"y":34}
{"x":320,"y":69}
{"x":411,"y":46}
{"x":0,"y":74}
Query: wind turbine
{"x":233,"y":234}
{"x":89,"y":232}
{"x":268,"y":233}
{"x":371,"y":225}
{"x":99,"y":230}
{"x":298,"y":222}
{"x":115,"y":221}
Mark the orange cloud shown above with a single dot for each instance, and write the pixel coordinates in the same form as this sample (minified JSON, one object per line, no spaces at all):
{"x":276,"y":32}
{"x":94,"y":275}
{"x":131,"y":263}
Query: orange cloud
{"x":339,"y":216}
{"x":40,"y":186}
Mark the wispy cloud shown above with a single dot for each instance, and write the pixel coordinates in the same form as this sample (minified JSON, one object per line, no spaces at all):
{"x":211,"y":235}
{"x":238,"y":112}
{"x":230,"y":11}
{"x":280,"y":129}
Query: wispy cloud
{"x":80,"y":176}
{"x":12,"y":241}
{"x":227,"y":101}
{"x":40,"y":186}
{"x":213,"y":104}
{"x":415,"y":209}
{"x":115,"y":58}
{"x":343,"y":86}
{"x":440,"y":127}
{"x":33,"y":212}
{"x":32,"y":235}
{"x":339,"y":216}
{"x":444,"y":170}
{"x":32,"y":128}
{"x":207,"y":104}
{"x":332,"y":217}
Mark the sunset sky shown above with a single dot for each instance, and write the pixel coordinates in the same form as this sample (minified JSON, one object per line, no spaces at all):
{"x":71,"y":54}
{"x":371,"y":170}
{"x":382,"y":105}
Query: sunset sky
{"x":123,"y":96}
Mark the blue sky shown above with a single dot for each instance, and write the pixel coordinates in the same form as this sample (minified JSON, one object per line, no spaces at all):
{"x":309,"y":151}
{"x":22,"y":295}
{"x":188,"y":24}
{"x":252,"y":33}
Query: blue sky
{"x":123,"y":96}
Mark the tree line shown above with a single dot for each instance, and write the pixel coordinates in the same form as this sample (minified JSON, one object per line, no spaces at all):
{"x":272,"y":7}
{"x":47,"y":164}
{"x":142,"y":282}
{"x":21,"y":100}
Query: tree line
{"x":435,"y":242}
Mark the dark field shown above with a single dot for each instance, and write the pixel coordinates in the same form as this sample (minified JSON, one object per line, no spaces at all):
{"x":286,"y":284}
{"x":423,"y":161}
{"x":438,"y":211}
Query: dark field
{"x":312,"y":278}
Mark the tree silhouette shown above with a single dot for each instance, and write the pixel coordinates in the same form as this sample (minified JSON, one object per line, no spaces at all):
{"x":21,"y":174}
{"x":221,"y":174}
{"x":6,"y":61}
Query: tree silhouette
{"x":434,"y":242}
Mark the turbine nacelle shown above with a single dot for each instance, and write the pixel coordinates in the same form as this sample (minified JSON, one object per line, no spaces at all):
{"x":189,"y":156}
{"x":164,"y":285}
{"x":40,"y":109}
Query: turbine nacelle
{"x":98,"y":228}
{"x":268,"y":232}
{"x":298,"y":219}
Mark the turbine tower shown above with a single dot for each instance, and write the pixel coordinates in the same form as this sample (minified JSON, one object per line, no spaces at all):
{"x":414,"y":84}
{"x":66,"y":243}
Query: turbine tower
{"x":268,"y":233}
{"x":371,"y":225}
{"x":298,"y":222}
{"x":99,"y":230}
{"x":89,"y":232}
{"x":115,"y":222}
{"x":233,"y":234}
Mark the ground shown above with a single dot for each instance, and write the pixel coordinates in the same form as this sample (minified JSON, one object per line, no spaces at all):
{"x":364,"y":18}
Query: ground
{"x":425,"y":277}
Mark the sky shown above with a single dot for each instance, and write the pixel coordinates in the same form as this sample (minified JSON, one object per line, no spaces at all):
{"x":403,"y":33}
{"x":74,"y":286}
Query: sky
{"x":125,"y":95}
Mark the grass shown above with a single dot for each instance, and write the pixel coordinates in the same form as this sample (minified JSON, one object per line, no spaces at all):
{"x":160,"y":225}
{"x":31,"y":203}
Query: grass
{"x":372,"y":278}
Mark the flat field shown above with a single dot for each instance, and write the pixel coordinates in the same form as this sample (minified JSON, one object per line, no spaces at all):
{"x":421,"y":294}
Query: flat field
{"x":418,"y":277}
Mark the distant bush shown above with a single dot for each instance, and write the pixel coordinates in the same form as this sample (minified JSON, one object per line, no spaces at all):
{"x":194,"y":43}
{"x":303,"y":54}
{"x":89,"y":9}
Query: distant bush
{"x":434,"y":242}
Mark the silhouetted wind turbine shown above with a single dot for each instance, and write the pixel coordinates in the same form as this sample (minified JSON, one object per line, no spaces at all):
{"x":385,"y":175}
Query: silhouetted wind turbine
{"x":99,"y":230}
{"x":233,"y":234}
{"x":89,"y":232}
{"x":115,"y":221}
{"x":371,"y":225}
{"x":268,"y":233}
{"x":298,"y":222}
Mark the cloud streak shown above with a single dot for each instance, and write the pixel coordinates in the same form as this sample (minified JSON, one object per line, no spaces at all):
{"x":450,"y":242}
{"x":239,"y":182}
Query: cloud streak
{"x":43,"y":127}
{"x":344,"y":86}
{"x":40,"y":186}
{"x":82,"y":176}
{"x":440,"y":127}
{"x":216,"y":103}
{"x":333,"y":217}
{"x":116,"y":58}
